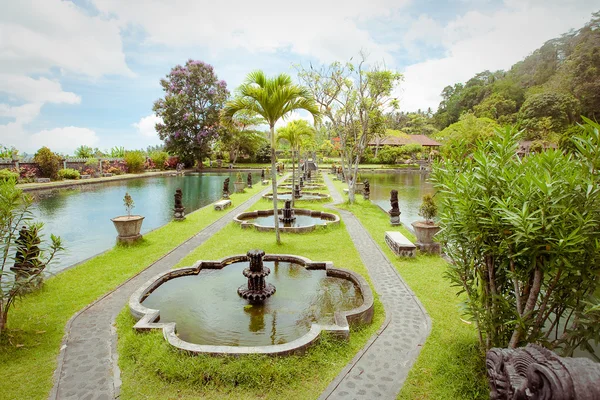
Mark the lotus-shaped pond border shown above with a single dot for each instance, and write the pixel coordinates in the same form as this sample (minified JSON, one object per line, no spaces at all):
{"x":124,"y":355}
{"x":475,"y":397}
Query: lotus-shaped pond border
{"x":331,"y":219}
{"x":147,"y":317}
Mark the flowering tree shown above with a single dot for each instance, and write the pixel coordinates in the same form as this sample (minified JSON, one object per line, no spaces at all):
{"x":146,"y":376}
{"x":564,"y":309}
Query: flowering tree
{"x":190,"y":110}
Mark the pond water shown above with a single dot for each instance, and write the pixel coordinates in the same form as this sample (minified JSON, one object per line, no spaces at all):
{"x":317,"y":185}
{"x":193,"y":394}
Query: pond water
{"x":81,"y":215}
{"x":411,"y":188}
{"x":301,"y":220}
{"x":208,"y":310}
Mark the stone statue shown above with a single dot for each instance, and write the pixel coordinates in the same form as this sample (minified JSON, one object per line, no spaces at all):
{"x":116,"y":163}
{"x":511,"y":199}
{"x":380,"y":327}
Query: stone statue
{"x":249,"y":180}
{"x":366,"y":189}
{"x":308,"y":175}
{"x":287,"y":213}
{"x":179,"y":209}
{"x":226,"y":188}
{"x":395,"y":211}
{"x":534,"y":372}
{"x":262,"y":174}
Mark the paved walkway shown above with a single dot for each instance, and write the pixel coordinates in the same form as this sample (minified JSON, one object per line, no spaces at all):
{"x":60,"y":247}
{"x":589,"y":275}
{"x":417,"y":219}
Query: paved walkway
{"x":87,"y":365}
{"x":381,"y":367}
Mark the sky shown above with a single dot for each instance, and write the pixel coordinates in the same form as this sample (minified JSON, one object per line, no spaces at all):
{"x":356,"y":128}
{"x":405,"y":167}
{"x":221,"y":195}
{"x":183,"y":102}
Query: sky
{"x":86,"y":72}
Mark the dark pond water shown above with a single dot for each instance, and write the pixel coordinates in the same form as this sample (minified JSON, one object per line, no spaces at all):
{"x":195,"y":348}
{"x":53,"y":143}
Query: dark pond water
{"x":81,"y":215}
{"x":411,"y":188}
{"x":208,"y":310}
{"x":301,"y":220}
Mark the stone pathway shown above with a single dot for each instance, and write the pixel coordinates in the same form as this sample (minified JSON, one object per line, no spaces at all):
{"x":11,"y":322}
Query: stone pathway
{"x":381,"y":367}
{"x":87,"y":365}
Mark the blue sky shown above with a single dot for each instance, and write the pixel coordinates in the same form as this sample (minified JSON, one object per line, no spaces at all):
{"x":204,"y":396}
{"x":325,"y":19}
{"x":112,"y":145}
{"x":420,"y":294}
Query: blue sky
{"x":88,"y":71}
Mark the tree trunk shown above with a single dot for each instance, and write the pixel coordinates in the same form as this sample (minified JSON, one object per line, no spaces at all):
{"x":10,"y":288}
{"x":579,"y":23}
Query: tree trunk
{"x":293,"y":178}
{"x":3,"y":318}
{"x":274,"y":184}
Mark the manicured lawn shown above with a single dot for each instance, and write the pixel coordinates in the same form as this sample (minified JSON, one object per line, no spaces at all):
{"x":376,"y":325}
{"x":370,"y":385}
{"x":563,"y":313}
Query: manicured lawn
{"x":36,"y":324}
{"x":450,"y":365}
{"x":151,"y":369}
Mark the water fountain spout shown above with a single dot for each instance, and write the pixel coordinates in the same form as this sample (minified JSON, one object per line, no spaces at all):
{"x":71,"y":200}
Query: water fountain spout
{"x":256,"y":290}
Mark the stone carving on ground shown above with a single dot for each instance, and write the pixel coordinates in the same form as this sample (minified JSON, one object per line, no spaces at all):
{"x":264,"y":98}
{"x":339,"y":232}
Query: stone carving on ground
{"x":366,"y":189}
{"x":395,"y":211}
{"x":534,"y":372}
{"x":249,"y":180}
{"x":226,"y":188}
{"x":179,"y":209}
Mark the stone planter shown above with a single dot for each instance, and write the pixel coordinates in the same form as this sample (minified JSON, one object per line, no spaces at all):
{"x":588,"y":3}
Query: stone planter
{"x":128,"y":227}
{"x":239,"y":187}
{"x":425,"y":231}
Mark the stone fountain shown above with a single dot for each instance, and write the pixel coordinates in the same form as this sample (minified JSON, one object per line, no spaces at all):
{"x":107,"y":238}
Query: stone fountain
{"x":287,"y":213}
{"x":256,"y":290}
{"x":179,"y":209}
{"x":297,"y":193}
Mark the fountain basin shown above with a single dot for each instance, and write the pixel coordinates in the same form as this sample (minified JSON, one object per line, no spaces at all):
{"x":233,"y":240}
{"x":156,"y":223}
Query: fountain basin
{"x":306,"y":196}
{"x":338,"y":323}
{"x":306,"y":220}
{"x":305,"y":187}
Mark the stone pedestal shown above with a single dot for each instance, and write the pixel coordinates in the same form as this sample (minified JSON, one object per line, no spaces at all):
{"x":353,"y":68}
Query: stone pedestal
{"x":179,"y":214}
{"x":394,"y":218}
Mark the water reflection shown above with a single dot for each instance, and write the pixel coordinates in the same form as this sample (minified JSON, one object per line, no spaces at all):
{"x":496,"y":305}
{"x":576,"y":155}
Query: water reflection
{"x":80,"y":215}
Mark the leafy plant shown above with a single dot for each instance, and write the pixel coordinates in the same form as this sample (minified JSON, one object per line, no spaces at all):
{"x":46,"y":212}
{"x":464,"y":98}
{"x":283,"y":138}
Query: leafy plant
{"x":238,"y":178}
{"x":69,"y":173}
{"x":117,"y":152}
{"x":84,"y":152}
{"x":128,"y":203}
{"x":428,"y":209}
{"x":22,"y":248}
{"x":48,"y":163}
{"x":6,"y":175}
{"x":524,"y":238}
{"x":134,"y":160}
{"x":159,"y":158}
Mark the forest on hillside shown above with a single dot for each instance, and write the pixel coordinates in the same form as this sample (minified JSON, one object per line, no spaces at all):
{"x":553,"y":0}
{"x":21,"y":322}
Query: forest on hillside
{"x":545,"y":95}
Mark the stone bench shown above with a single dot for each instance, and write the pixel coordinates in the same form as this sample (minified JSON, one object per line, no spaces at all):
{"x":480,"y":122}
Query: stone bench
{"x":42,"y":180}
{"x":265,"y":182}
{"x":107,"y":175}
{"x":222,"y":204}
{"x":399,"y":244}
{"x":85,"y":176}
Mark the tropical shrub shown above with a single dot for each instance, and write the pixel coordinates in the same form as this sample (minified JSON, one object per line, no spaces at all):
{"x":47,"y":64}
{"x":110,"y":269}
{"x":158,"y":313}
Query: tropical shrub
{"x":48,"y":163}
{"x":159,"y":158}
{"x":6,"y":175}
{"x":84,"y":152}
{"x":428,"y":209}
{"x":26,"y":174}
{"x":69,"y":173}
{"x":171,"y":162}
{"x":115,"y":170}
{"x":389,"y":154}
{"x":134,"y":160}
{"x":20,"y":247}
{"x":524,"y":239}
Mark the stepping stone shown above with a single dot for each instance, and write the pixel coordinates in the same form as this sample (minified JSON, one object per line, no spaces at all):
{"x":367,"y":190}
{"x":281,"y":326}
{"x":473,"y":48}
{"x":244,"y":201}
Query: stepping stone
{"x":399,"y":244}
{"x":222,"y":204}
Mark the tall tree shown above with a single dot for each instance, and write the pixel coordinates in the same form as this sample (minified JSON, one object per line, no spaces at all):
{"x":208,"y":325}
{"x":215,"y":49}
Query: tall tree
{"x":294,"y":133}
{"x":272,"y":99}
{"x":353,"y":98}
{"x":194,"y":96}
{"x":241,"y":135}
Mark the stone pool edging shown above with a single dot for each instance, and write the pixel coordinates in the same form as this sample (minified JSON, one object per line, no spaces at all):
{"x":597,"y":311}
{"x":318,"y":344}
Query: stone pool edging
{"x":322,"y":196}
{"x":333,"y":220}
{"x":343,"y":319}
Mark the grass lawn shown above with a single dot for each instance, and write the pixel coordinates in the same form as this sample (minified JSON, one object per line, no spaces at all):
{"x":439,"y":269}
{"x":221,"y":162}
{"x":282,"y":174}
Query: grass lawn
{"x":450,"y":365}
{"x":152,"y":369}
{"x":36,"y":323}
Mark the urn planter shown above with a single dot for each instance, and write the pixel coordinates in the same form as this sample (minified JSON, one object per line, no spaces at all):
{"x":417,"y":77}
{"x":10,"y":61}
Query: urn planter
{"x":239,"y":187}
{"x":128,"y":227}
{"x":425,"y":231}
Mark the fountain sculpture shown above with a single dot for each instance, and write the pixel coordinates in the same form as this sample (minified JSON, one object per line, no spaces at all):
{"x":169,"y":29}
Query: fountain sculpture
{"x":366,"y":189}
{"x":395,"y":211}
{"x":297,"y":193}
{"x":288,"y":213}
{"x":301,"y":182}
{"x":179,"y":209}
{"x":256,"y":290}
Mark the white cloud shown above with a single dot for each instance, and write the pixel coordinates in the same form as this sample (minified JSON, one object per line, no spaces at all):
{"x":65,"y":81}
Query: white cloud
{"x":476,"y":42}
{"x":41,"y":90}
{"x":292,"y":116}
{"x":329,"y":30}
{"x":145,"y":126}
{"x":64,"y":140}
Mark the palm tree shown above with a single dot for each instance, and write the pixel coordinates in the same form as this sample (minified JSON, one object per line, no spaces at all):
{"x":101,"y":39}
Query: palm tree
{"x":272,"y":99}
{"x":293,"y":133}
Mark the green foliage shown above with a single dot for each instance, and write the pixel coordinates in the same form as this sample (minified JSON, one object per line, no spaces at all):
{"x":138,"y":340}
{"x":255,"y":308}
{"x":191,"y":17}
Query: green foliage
{"x":524,"y":238}
{"x":84,"y":152}
{"x":92,"y":163}
{"x":389,"y":154}
{"x":6,"y":152}
{"x":128,"y":203}
{"x":547,"y":115}
{"x":241,"y":137}
{"x":69,"y":173}
{"x":21,"y":247}
{"x":460,"y":139}
{"x":7,"y":175}
{"x":428,"y":209}
{"x":263,"y":154}
{"x":48,"y":163}
{"x":134,"y":160}
{"x":159,"y":158}
{"x":117,"y":152}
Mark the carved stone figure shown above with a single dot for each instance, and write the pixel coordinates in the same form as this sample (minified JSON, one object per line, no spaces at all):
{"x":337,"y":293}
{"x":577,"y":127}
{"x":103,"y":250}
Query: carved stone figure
{"x":262,"y":174}
{"x":249,"y":180}
{"x":301,"y":182}
{"x":226,"y":188}
{"x":534,"y":372}
{"x":366,"y":189}
{"x":297,"y":193}
{"x":179,"y":209}
{"x":395,"y":211}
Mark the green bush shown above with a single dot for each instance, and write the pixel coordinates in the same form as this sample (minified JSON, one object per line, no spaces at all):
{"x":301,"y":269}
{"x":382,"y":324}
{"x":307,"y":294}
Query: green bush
{"x":69,"y":173}
{"x":48,"y":163}
{"x":6,"y":175}
{"x":159,"y":158}
{"x":92,"y":163}
{"x":134,"y":160}
{"x":389,"y":154}
{"x":412,"y":148}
